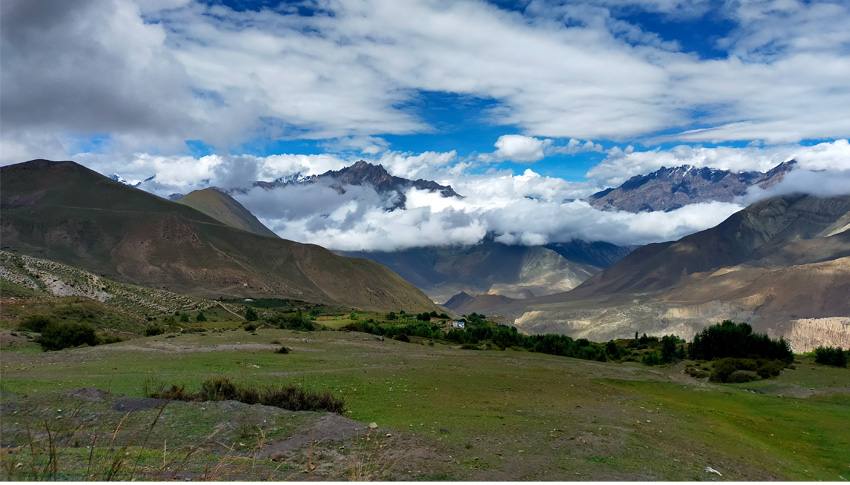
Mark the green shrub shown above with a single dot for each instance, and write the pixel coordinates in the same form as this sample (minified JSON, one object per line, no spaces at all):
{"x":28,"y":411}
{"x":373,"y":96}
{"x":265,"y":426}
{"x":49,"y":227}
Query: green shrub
{"x":651,"y":358}
{"x":834,"y":356}
{"x":724,"y":368}
{"x":292,"y":322}
{"x":470,"y":347}
{"x":282,"y":350}
{"x":152,"y":330}
{"x":35,"y":323}
{"x":297,"y":399}
{"x":770,"y":368}
{"x":218,"y":389}
{"x":184,"y":317}
{"x":250,"y":327}
{"x":108,"y":339}
{"x":250,"y":314}
{"x":57,"y":336}
{"x":697,"y":372}
{"x":739,"y":376}
{"x":201,"y":317}
{"x":402,"y":338}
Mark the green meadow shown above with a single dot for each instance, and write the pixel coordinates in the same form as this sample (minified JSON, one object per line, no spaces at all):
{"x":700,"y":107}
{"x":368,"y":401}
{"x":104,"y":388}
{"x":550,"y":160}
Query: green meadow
{"x":451,"y":413}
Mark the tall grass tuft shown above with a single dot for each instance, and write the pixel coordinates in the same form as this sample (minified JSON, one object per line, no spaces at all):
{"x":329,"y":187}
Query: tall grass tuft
{"x":289,"y":397}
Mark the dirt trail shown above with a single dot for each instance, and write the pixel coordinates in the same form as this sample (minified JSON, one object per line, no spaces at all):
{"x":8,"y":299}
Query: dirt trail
{"x":229,"y":310}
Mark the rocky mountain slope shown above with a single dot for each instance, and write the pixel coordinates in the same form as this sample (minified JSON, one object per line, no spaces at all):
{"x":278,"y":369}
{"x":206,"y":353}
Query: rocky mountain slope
{"x":463,"y":303}
{"x":782,"y":264}
{"x":499,"y":269}
{"x":67,"y":213}
{"x":224,"y":208}
{"x":670,"y":188}
{"x":57,"y":279}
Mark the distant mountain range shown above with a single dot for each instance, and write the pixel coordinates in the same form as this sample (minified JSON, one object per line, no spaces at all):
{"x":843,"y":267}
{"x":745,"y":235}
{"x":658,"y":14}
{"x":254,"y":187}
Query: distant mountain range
{"x":670,"y":188}
{"x":359,"y":174}
{"x":782,"y":264}
{"x":496,"y":268}
{"x":65,"y":212}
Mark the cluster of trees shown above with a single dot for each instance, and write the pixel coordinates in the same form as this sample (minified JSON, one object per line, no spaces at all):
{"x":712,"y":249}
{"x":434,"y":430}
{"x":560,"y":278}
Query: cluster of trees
{"x":290,"y":321}
{"x":182,"y":317}
{"x":739,"y":353}
{"x":478,"y":330}
{"x":649,"y":350}
{"x":835,"y":356}
{"x":730,"y":339}
{"x":422,"y":317}
{"x":400,"y":332}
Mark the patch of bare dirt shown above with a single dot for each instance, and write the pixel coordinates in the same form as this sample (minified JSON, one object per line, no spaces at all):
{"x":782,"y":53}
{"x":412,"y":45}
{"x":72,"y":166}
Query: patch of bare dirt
{"x":327,"y":429}
{"x":90,"y":394}
{"x":132,"y":404}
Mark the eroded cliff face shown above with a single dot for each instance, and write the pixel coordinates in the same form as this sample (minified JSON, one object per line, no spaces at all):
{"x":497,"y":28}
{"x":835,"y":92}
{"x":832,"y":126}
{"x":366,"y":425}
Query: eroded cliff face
{"x":807,"y":333}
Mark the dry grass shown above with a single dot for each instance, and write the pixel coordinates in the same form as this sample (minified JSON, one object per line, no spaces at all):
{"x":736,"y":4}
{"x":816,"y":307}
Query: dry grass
{"x":288,"y":397}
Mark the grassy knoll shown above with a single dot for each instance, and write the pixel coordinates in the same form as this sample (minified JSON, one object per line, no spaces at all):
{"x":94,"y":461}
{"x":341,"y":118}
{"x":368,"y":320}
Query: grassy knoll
{"x":485,"y":414}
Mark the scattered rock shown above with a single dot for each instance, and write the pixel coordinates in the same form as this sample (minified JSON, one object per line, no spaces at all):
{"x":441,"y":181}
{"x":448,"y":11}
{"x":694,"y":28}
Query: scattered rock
{"x":373,"y":425}
{"x":709,"y":469}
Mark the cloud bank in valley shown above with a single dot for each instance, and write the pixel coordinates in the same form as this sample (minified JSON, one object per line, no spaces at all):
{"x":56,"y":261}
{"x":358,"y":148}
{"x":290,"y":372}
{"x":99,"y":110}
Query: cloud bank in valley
{"x":528,"y":209}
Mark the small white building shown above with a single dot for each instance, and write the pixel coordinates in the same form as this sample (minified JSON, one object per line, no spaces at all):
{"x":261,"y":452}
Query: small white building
{"x":458,"y":324}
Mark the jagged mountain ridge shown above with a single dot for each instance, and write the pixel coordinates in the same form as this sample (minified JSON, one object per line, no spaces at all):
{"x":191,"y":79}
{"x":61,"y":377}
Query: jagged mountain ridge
{"x":65,"y":212}
{"x":363,"y":173}
{"x":670,"y":188}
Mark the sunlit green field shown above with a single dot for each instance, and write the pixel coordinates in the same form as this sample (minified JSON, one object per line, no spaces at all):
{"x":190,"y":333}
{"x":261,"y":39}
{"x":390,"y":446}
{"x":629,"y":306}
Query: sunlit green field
{"x":492,"y":414}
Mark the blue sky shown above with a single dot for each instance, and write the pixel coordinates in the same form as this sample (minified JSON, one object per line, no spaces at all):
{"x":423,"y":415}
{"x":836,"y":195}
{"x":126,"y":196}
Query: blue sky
{"x":461,"y":122}
{"x":363,"y":79}
{"x":524,"y":107}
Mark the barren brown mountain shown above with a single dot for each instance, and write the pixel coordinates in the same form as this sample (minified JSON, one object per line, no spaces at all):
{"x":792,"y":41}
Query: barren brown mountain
{"x":782,"y":264}
{"x":68,"y":213}
{"x":224,"y":208}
